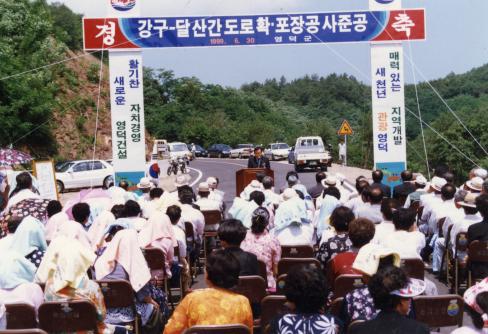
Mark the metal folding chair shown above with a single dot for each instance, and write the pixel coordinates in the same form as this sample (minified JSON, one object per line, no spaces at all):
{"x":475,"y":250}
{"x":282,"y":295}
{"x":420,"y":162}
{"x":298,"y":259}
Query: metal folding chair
{"x":297,"y":251}
{"x":218,"y":329}
{"x":119,"y":293}
{"x":73,"y":316}
{"x":477,"y":254}
{"x":285,"y":264}
{"x":21,"y":316}
{"x":414,"y":268}
{"x":346,"y":283}
{"x":439,"y":311}
{"x":212,"y":221}
{"x":272,"y":307}
{"x":23,"y":331}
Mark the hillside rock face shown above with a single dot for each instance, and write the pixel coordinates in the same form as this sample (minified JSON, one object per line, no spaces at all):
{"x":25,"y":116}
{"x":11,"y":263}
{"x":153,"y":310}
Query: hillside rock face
{"x":75,"y":124}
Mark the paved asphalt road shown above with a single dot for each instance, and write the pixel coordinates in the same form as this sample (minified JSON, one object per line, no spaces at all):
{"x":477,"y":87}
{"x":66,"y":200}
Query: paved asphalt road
{"x":225,"y":170}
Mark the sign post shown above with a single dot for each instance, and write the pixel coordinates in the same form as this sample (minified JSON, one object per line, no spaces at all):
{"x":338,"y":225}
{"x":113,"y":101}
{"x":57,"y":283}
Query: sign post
{"x":126,"y":100}
{"x":345,"y":130}
{"x":388,"y":96}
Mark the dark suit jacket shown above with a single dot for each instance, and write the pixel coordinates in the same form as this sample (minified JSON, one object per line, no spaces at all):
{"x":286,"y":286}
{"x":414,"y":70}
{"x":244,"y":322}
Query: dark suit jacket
{"x":478,"y":231}
{"x":316,"y":190}
{"x":263,"y":162}
{"x":386,"y":188}
{"x":390,"y":322}
{"x":248,"y":261}
{"x":403,"y":190}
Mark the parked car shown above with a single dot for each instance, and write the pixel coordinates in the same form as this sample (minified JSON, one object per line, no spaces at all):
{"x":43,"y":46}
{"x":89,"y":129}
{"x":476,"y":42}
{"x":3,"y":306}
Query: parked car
{"x":310,"y":152}
{"x":84,"y":174}
{"x":178,"y":149}
{"x":242,"y":151}
{"x":58,"y":166}
{"x":277,"y":151}
{"x":199,"y":151}
{"x":219,"y":151}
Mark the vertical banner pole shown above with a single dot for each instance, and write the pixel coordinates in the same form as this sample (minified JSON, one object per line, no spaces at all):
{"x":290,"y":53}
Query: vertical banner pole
{"x":127,"y":106}
{"x":388,"y":102}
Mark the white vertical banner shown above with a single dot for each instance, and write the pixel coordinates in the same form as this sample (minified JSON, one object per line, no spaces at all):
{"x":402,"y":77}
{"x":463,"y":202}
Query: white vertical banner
{"x":388,"y":102}
{"x":127,"y":104}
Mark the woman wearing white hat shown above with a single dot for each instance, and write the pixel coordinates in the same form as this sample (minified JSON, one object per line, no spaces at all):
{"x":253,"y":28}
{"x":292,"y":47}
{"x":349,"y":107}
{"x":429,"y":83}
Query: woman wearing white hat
{"x":292,"y":225}
{"x":476,"y":300}
{"x":392,"y":292}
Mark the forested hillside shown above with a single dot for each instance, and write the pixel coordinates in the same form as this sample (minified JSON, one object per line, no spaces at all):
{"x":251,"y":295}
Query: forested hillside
{"x":51,"y":112}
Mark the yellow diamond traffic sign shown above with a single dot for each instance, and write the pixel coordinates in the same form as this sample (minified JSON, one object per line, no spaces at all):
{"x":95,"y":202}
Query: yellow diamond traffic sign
{"x":345,"y":129}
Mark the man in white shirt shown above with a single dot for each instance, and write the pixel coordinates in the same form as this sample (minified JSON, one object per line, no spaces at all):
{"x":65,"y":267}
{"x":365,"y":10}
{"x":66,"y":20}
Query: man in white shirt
{"x":355,"y":202}
{"x":386,"y":227}
{"x":420,"y":183}
{"x":406,"y":240}
{"x":471,"y":216}
{"x":372,"y":210}
{"x":342,"y":152}
{"x":429,"y":200}
{"x":272,"y":199}
{"x":145,"y":185}
{"x":179,"y":260}
{"x":215,"y":194}
{"x":445,"y":209}
{"x":192,"y":215}
{"x":204,"y":202}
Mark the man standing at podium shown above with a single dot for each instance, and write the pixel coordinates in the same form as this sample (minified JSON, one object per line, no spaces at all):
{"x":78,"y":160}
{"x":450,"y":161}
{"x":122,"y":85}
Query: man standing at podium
{"x":258,"y":160}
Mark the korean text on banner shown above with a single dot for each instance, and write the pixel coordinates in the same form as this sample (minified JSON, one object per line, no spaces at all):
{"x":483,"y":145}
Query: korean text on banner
{"x":127,"y":104}
{"x":389,"y":137}
{"x":168,"y":32}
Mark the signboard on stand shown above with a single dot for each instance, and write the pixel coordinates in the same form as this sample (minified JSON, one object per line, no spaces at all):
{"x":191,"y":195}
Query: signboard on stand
{"x":46,"y":179}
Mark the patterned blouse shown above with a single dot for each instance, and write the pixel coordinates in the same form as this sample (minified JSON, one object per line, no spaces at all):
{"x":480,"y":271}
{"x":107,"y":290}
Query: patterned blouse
{"x":267,"y":248}
{"x":358,"y":305}
{"x":306,"y":324}
{"x":329,"y":249}
{"x":212,"y":306}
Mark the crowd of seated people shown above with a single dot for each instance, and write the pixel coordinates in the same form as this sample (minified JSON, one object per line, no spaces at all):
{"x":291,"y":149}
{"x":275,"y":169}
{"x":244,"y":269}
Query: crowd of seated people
{"x":366,"y":232}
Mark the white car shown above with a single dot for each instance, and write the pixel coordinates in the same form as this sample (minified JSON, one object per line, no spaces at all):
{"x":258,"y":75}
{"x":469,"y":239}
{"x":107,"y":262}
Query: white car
{"x":177,"y":150}
{"x":277,"y":151}
{"x":84,"y":174}
{"x":242,"y":151}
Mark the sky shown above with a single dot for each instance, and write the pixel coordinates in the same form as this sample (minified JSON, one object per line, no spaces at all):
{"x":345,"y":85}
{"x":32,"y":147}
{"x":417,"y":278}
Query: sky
{"x":456,"y":41}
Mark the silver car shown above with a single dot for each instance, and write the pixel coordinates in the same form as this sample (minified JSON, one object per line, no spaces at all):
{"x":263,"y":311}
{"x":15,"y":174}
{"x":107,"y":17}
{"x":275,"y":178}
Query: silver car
{"x":277,"y":151}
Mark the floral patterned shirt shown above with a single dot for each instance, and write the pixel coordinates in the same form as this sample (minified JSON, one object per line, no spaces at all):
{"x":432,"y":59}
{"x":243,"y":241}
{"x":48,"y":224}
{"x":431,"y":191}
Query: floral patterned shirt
{"x":267,"y":249}
{"x":306,"y":324}
{"x":210,"y":306}
{"x":329,"y":249}
{"x":358,"y":305}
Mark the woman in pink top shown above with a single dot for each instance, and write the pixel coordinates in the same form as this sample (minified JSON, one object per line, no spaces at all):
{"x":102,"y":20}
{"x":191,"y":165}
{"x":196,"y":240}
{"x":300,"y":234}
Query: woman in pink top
{"x":264,"y":245}
{"x":158,"y":233}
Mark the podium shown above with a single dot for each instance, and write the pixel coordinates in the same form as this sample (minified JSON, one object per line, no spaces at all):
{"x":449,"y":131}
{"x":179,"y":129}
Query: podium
{"x":245,"y":176}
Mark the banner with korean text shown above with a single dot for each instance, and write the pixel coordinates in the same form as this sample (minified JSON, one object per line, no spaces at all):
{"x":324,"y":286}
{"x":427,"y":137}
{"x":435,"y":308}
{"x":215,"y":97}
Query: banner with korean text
{"x":163,"y":32}
{"x":389,"y":139}
{"x":127,"y":104}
